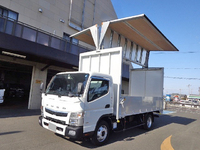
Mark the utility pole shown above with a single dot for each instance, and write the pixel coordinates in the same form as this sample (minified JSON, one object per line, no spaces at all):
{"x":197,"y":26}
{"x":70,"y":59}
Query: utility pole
{"x":199,"y":90}
{"x":189,"y":88}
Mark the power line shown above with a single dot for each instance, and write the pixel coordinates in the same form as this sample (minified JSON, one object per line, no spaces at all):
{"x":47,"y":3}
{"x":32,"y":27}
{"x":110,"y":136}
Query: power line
{"x":184,"y":68}
{"x":182,"y":78}
{"x":190,"y":52}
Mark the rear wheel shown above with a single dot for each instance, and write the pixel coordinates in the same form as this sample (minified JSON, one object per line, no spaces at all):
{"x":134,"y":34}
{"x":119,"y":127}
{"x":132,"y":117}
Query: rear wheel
{"x":101,"y":133}
{"x":148,"y":122}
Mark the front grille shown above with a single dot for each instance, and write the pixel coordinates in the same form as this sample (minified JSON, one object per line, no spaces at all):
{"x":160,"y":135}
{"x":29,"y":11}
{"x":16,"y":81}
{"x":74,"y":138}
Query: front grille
{"x":56,"y":113}
{"x":56,"y":120}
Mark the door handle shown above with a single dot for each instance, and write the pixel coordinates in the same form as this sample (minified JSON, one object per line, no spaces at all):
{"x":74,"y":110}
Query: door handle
{"x":107,"y":106}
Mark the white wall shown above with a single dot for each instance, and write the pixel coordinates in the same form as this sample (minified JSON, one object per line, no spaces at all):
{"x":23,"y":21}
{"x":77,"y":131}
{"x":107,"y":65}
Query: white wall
{"x":38,"y":77}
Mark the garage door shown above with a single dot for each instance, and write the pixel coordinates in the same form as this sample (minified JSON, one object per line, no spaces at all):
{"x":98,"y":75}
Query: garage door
{"x":16,"y":80}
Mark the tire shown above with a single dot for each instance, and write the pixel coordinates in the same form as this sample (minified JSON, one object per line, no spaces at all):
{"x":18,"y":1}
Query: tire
{"x":148,"y":122}
{"x":101,"y":134}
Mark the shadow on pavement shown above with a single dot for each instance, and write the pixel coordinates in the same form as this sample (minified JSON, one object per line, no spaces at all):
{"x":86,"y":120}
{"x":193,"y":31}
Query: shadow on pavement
{"x":16,"y":107}
{"x":8,"y":112}
{"x":13,"y":132}
{"x":130,"y":135}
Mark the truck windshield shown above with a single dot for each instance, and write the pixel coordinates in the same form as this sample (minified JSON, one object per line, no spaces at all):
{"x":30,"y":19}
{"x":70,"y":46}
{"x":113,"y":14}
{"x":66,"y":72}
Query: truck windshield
{"x":67,"y":84}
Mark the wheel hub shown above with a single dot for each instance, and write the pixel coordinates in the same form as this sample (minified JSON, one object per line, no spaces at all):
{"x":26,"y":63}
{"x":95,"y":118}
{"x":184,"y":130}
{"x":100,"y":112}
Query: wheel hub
{"x":102,"y":133}
{"x":149,"y":122}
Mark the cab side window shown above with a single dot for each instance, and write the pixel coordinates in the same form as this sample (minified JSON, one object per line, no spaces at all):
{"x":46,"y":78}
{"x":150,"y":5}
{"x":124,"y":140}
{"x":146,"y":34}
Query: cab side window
{"x":98,"y":87}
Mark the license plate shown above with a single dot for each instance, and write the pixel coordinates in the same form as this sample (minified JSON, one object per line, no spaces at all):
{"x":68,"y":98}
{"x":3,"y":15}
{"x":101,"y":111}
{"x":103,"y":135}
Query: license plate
{"x":52,"y":127}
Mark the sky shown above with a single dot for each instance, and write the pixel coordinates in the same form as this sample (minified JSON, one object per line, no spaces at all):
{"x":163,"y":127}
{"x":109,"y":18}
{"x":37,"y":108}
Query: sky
{"x":179,"y":21}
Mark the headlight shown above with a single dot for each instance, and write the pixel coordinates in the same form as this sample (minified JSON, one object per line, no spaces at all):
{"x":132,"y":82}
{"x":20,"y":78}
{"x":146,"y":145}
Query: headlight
{"x":76,"y":119}
{"x":76,"y":115}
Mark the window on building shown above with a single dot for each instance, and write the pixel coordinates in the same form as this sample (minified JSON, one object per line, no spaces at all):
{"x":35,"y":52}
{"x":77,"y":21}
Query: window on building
{"x":98,"y":88}
{"x":82,"y":14}
{"x":4,"y":12}
{"x":69,"y":39}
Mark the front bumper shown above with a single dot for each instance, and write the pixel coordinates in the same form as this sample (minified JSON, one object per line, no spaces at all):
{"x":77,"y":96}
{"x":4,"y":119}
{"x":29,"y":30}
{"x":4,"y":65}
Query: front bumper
{"x":65,"y":130}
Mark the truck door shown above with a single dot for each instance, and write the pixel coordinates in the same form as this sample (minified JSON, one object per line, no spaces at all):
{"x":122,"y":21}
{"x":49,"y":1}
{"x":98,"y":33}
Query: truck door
{"x":98,"y":102}
{"x":145,"y":91}
{"x":146,"y":82}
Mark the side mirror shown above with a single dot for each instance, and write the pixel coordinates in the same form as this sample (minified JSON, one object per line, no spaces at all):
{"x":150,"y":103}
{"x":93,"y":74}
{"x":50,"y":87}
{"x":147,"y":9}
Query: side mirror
{"x":41,"y":86}
{"x":80,"y":87}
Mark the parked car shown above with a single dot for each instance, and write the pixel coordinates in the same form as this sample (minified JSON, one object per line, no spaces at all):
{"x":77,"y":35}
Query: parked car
{"x":182,"y":101}
{"x":176,"y":99}
{"x":2,"y":95}
{"x":14,"y":90}
{"x":195,"y":102}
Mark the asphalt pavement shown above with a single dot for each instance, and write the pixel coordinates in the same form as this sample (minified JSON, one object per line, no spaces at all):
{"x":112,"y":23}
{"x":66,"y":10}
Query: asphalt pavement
{"x":19,"y":130}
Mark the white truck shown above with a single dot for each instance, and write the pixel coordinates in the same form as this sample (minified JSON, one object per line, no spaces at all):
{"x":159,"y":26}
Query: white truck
{"x":90,"y":102}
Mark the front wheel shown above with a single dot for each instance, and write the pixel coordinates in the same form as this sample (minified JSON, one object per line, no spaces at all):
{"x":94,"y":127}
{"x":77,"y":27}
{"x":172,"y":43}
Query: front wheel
{"x":101,"y":134}
{"x":148,"y":122}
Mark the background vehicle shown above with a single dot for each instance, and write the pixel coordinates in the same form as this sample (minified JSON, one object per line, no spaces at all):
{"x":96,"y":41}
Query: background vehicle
{"x":14,"y":90}
{"x":2,"y":90}
{"x":2,"y":95}
{"x":12,"y":93}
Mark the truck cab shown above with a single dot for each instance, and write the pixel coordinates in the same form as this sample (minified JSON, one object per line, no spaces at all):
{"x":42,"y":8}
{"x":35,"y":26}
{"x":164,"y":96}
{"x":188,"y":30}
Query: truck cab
{"x":74,"y":102}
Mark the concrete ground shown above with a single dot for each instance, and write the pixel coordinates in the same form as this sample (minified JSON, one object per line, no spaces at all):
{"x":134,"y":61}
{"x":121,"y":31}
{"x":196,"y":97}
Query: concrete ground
{"x":19,"y":130}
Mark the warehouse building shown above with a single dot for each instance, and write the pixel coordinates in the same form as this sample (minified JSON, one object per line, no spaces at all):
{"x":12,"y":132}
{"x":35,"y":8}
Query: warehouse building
{"x":35,"y":42}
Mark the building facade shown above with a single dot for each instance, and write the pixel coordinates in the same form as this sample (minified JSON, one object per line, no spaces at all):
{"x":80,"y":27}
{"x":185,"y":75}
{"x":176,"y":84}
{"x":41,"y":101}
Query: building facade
{"x":35,"y":42}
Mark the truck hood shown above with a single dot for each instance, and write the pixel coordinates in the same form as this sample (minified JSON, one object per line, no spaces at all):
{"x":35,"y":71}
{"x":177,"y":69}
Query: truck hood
{"x":62,"y":104}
